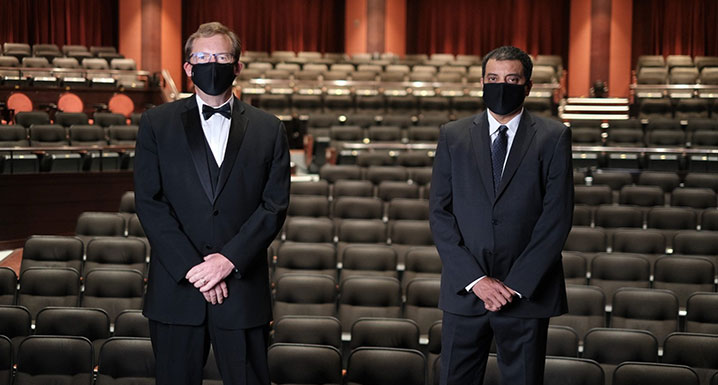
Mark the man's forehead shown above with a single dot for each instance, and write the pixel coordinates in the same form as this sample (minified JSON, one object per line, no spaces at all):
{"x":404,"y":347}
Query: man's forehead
{"x":218,"y":40}
{"x":504,"y":66}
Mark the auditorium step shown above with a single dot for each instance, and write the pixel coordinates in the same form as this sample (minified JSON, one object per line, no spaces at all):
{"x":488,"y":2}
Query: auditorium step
{"x":594,"y":109}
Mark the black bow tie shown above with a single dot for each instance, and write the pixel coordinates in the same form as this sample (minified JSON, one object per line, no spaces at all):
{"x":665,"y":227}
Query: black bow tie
{"x":224,"y":110}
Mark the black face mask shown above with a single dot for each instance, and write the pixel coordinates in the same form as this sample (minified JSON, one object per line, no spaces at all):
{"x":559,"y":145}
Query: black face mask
{"x":213,"y":78}
{"x":504,"y":98}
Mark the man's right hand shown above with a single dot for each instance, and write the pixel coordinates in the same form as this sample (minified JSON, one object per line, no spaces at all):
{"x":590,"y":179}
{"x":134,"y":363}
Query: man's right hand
{"x":217,"y":294}
{"x":493,"y":292}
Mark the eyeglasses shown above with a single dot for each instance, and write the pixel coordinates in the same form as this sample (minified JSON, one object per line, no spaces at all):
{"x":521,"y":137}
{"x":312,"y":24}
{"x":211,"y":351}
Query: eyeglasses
{"x":205,"y":57}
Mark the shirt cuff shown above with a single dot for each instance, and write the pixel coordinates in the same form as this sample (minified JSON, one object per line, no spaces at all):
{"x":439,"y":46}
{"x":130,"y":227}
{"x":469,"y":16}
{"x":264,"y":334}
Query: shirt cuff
{"x":471,"y":285}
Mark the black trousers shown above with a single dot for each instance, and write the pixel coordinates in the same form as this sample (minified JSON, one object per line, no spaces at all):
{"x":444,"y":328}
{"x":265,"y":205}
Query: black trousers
{"x":181,"y":353}
{"x":466,"y":341}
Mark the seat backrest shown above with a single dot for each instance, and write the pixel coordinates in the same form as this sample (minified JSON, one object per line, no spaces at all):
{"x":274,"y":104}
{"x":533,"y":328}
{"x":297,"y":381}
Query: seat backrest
{"x":113,"y":290}
{"x":618,"y":216}
{"x":100,"y":224}
{"x":701,"y":316}
{"x":364,"y":296}
{"x":586,"y":239}
{"x":301,"y":229}
{"x":693,"y":242}
{"x":308,"y":206}
{"x":386,"y":366}
{"x":639,"y":241}
{"x":67,"y":119}
{"x":653,"y":310}
{"x":410,"y":232}
{"x":332,"y":173}
{"x":305,"y":294}
{"x":71,"y":360}
{"x":115,"y":252}
{"x":8,"y":286}
{"x":635,"y":373}
{"x":357,"y":208}
{"x":52,"y":251}
{"x":675,"y":218}
{"x":47,"y":286}
{"x":86,"y":135}
{"x":317,"y":330}
{"x":641,"y":196}
{"x":15,"y":321}
{"x":389,"y":190}
{"x":320,"y":188}
{"x":107,"y":119}
{"x":304,"y":364}
{"x":126,"y":357}
{"x":562,"y":341}
{"x":131,"y":323}
{"x":357,"y":188}
{"x":369,"y":258}
{"x":92,"y":324}
{"x":695,"y":197}
{"x":6,"y":360}
{"x":614,"y":346}
{"x":306,"y":256}
{"x":593,"y":195}
{"x":573,"y":371}
{"x":413,"y":209}
{"x":691,"y":349}
{"x":362,"y":231}
{"x":48,"y":135}
{"x":385,"y":332}
{"x":377,"y":174}
{"x":422,"y":302}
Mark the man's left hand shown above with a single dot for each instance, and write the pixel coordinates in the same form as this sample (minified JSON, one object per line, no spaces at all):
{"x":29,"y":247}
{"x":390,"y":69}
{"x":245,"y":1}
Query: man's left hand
{"x":209,"y":273}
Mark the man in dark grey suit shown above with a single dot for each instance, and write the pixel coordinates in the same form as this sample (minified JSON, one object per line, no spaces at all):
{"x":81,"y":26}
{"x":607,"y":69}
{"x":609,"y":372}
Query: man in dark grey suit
{"x":211,"y":190}
{"x":500,"y":211}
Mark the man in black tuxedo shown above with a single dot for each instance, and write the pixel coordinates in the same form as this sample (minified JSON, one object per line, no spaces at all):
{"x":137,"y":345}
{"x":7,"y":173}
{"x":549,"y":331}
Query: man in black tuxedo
{"x":211,"y":190}
{"x":500,"y":211}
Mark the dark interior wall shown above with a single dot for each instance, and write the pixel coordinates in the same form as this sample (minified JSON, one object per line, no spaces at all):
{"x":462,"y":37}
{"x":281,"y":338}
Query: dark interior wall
{"x":86,"y":22}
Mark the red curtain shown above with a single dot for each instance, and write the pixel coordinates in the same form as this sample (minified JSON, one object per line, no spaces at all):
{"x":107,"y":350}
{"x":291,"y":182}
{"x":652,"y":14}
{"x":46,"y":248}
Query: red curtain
{"x":675,"y":27}
{"x":86,"y":22}
{"x":475,"y":27}
{"x":271,"y":25}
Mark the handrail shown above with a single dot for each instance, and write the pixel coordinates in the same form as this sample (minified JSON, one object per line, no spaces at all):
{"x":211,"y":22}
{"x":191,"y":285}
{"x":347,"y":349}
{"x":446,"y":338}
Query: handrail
{"x":171,"y":94}
{"x":67,"y":148}
{"x":57,"y":70}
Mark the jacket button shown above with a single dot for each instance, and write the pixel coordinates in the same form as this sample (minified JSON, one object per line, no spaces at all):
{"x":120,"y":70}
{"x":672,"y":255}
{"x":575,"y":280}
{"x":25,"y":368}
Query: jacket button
{"x":494,"y":222}
{"x":215,"y":213}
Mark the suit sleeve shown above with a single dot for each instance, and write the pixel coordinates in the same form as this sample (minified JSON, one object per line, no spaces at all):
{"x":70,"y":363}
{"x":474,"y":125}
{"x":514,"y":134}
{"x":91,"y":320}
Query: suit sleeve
{"x":551,"y":230}
{"x":169,"y":243}
{"x":263,"y":225}
{"x":458,"y":263}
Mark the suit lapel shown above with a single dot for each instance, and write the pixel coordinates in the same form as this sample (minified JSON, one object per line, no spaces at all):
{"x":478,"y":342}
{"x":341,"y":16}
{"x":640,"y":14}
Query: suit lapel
{"x":482,"y":151}
{"x":195,"y":139}
{"x":521,"y":143}
{"x":234,"y":142}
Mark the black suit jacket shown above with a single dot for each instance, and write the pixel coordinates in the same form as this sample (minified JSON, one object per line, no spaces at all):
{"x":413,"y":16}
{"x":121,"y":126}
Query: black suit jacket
{"x":516,"y":235}
{"x":184,"y":221}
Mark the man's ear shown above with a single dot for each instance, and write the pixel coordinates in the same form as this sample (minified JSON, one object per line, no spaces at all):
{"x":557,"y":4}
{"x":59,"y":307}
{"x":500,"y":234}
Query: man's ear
{"x":187,"y":69}
{"x":529,"y":84}
{"x":238,"y":67}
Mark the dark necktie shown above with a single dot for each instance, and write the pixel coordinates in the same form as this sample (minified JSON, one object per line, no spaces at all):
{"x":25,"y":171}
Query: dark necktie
{"x":498,"y":155}
{"x":224,"y":110}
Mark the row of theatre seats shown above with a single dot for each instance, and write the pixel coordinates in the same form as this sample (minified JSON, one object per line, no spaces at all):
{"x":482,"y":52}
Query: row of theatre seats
{"x":308,"y":293}
{"x":74,"y":65}
{"x":36,"y":137}
{"x":680,"y":108}
{"x":677,"y":69}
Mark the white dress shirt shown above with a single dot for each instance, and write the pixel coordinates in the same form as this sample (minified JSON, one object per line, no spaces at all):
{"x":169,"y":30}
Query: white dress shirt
{"x":513,"y":126}
{"x":216,"y":130}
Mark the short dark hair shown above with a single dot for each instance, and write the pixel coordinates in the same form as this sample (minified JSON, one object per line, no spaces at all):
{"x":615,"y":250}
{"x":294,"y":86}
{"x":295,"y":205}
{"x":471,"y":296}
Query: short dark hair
{"x":508,"y":52}
{"x":209,"y":30}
